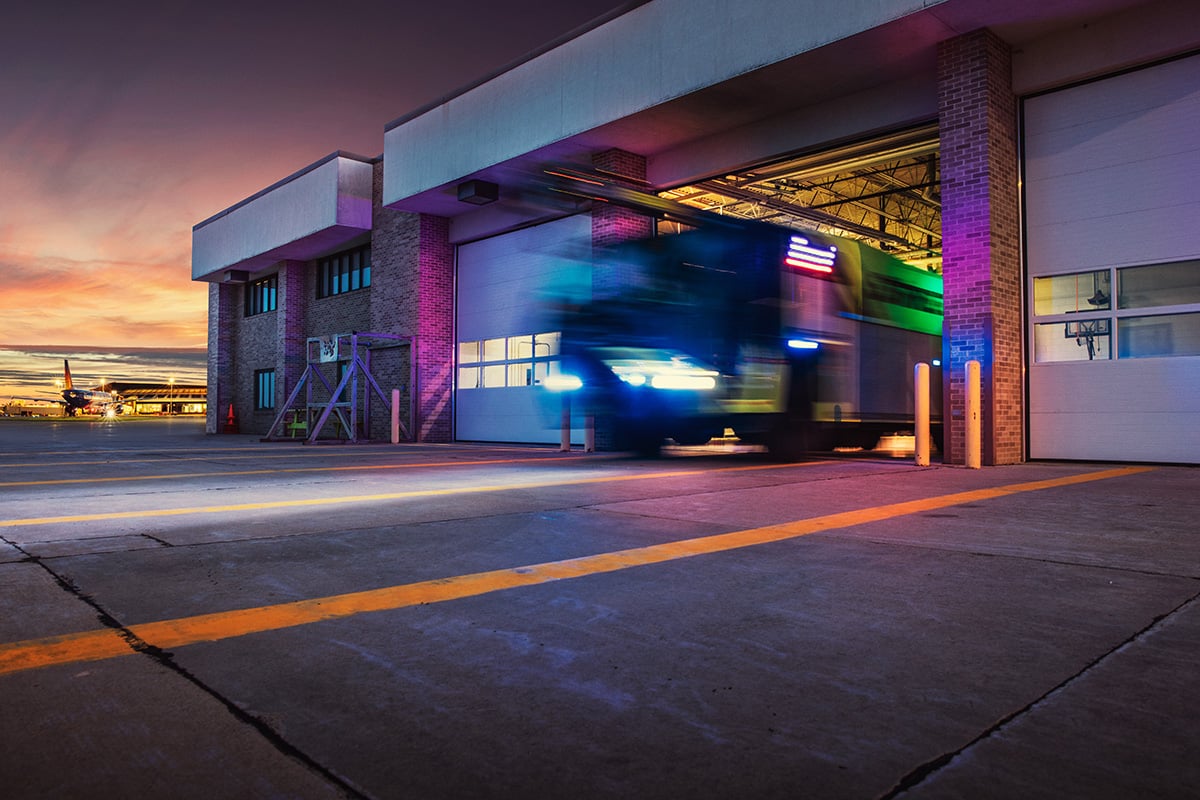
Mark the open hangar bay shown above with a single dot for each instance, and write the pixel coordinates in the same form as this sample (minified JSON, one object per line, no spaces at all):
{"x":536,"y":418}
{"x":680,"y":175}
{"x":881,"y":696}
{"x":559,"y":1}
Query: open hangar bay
{"x":194,"y":616}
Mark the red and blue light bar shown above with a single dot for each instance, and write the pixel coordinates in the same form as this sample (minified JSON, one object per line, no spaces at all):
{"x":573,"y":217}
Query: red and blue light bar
{"x":803,"y":255}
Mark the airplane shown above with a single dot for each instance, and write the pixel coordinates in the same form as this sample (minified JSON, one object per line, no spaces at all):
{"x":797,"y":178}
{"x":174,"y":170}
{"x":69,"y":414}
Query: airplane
{"x":76,"y":400}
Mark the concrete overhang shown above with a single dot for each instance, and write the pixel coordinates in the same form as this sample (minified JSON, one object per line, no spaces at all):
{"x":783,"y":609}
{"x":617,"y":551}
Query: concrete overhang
{"x":312,"y":212}
{"x":669,"y":74}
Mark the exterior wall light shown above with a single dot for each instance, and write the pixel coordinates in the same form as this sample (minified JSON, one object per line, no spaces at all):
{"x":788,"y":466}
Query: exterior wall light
{"x":478,"y":193}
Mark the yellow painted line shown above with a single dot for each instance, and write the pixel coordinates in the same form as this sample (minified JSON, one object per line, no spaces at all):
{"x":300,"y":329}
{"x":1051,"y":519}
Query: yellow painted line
{"x":272,"y":471}
{"x":374,"y":498}
{"x":116,"y":457}
{"x":287,"y":449}
{"x":107,"y":643}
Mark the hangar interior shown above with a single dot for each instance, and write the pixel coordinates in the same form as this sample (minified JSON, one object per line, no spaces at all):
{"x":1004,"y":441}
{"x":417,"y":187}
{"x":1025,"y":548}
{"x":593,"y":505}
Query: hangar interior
{"x":883,"y":190}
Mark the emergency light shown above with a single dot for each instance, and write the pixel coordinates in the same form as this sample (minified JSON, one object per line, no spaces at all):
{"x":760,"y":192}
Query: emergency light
{"x":803,"y":255}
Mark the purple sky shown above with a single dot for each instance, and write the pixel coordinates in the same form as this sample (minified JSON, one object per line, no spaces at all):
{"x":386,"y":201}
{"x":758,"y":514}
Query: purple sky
{"x":123,"y":124}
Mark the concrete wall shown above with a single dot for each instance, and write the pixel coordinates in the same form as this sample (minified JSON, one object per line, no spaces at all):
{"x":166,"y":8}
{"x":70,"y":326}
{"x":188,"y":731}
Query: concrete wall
{"x":330,"y":200}
{"x":1107,"y":44}
{"x":653,"y":54}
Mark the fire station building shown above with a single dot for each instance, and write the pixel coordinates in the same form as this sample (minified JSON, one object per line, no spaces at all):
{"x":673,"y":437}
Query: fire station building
{"x":1042,"y":156}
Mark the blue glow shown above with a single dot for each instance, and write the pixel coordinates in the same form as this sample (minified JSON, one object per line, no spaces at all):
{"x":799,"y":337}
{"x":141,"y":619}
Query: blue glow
{"x":937,"y":362}
{"x":803,"y":344}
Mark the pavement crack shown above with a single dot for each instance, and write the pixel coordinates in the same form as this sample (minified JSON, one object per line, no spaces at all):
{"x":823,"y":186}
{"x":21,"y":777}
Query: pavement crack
{"x":166,"y":660}
{"x":924,"y":771}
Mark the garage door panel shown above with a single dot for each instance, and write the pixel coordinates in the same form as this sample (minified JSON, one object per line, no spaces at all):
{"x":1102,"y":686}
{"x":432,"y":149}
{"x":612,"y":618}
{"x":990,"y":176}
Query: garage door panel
{"x":502,"y":283}
{"x":1144,"y":385}
{"x":1130,"y":138}
{"x":1133,"y":436}
{"x":1139,"y":410}
{"x":1110,"y":180}
{"x":1117,"y":239}
{"x":1134,"y":186}
{"x":1095,"y":104}
{"x":505,"y":415}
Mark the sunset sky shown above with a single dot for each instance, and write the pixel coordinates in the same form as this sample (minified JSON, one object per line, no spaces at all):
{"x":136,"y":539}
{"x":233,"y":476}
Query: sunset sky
{"x":124,"y":123}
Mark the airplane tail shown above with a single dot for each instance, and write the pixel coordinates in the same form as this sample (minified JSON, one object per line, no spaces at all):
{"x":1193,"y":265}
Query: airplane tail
{"x":66,"y":375}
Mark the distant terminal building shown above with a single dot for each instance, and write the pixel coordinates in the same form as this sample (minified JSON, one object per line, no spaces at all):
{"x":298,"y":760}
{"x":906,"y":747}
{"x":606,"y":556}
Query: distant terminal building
{"x":135,"y":398}
{"x":1040,"y":156}
{"x":158,"y":398}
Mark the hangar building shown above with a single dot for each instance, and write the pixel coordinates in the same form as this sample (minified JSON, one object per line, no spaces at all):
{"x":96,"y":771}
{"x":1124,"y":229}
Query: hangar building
{"x":1042,"y":155}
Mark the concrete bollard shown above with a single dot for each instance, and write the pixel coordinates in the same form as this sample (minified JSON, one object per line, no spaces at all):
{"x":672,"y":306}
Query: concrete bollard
{"x":395,"y":416}
{"x":564,"y":441}
{"x":921,"y":409}
{"x":974,"y":443}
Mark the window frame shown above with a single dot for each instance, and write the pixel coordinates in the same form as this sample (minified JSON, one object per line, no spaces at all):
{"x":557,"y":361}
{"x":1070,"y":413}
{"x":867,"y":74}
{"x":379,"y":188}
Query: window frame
{"x":262,"y":296}
{"x":264,"y":389}
{"x":1107,"y":320}
{"x":507,"y":359}
{"x":344,"y":272}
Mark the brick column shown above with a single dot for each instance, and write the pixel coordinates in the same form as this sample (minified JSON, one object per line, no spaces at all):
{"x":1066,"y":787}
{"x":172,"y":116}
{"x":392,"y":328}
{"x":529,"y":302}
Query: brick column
{"x":412,"y":294}
{"x":612,"y":225}
{"x":435,"y":329}
{"x":221,"y":307}
{"x":292,"y":306}
{"x":981,"y":243}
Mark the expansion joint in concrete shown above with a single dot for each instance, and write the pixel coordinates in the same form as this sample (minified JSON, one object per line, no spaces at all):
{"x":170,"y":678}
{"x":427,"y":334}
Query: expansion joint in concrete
{"x":924,"y":771}
{"x":165,"y":659}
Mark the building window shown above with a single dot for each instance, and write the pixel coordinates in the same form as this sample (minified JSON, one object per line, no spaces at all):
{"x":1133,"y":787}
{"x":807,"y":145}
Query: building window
{"x":1155,"y":314}
{"x":344,"y":272}
{"x":1161,"y":335}
{"x":508,"y":361}
{"x":264,"y":389}
{"x":262,"y":296}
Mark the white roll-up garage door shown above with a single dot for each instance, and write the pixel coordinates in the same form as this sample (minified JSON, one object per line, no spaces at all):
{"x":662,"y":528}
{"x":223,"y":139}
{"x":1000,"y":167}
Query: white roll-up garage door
{"x":507,"y":337}
{"x":1112,"y":216}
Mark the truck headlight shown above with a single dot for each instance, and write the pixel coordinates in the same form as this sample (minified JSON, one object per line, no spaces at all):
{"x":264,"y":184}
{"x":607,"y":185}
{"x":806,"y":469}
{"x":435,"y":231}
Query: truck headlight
{"x":562,"y":382}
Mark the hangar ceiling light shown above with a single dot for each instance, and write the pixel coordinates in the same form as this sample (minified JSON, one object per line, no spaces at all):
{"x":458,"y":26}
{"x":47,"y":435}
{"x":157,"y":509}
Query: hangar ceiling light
{"x":884,"y":190}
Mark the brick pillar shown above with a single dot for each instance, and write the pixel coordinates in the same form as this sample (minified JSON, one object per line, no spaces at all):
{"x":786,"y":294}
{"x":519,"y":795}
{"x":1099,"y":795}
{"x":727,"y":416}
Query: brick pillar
{"x":221,"y":308}
{"x":435,"y":329}
{"x":612,"y":225}
{"x":412,"y":294}
{"x":292,"y":305}
{"x":981,"y":243}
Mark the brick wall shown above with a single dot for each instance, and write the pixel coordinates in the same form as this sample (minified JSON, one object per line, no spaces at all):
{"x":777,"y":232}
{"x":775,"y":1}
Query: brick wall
{"x":293,"y":299}
{"x":413,"y":295}
{"x":258,"y":348}
{"x":220,"y":355}
{"x":435,"y":330}
{"x":981,"y":243}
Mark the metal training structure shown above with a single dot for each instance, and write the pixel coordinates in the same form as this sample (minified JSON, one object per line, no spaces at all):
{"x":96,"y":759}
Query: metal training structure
{"x":343,"y":401}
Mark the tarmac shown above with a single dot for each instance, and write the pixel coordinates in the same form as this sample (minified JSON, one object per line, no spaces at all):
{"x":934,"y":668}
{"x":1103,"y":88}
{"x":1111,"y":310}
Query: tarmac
{"x":194,"y":616}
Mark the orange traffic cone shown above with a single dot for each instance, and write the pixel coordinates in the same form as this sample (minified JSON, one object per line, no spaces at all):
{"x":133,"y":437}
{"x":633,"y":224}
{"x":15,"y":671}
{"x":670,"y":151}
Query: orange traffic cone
{"x":231,"y":425}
